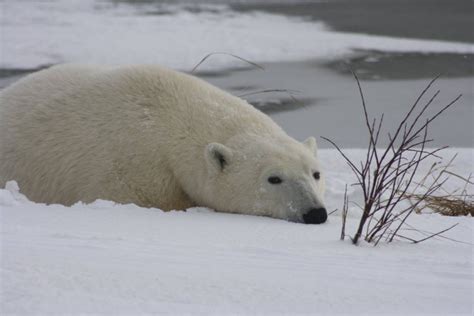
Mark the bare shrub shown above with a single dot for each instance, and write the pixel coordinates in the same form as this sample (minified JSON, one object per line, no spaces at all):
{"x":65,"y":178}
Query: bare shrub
{"x":387,"y":174}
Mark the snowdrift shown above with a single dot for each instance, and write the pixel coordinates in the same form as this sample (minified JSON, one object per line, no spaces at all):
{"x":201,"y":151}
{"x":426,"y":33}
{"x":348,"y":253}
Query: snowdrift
{"x":123,"y":259}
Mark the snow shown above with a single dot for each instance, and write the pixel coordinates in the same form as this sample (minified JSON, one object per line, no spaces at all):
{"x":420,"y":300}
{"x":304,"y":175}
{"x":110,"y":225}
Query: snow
{"x":38,"y":33}
{"x":105,"y":258}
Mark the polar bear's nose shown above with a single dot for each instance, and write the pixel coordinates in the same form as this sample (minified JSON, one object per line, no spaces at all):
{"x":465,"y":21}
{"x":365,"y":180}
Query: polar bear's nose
{"x":315,"y":216}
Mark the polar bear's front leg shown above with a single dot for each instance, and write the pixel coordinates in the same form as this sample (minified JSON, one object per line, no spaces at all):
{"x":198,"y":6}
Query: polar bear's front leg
{"x":156,"y":187}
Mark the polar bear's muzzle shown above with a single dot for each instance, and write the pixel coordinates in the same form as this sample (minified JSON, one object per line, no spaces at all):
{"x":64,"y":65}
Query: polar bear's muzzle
{"x":315,"y":216}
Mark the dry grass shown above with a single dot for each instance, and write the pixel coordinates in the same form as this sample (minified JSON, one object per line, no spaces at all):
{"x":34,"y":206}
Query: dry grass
{"x":449,"y":203}
{"x":444,"y":205}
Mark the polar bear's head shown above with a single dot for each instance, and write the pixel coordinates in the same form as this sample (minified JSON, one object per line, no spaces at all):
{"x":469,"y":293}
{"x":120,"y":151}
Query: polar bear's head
{"x":258,"y":176}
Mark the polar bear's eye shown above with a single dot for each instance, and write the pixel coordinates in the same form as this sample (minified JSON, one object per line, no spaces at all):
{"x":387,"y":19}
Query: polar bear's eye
{"x":275,"y":180}
{"x":316,"y":175}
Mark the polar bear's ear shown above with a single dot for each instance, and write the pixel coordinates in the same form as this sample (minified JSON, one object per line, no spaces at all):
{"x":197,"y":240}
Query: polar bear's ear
{"x":310,"y":142}
{"x":217,"y":156}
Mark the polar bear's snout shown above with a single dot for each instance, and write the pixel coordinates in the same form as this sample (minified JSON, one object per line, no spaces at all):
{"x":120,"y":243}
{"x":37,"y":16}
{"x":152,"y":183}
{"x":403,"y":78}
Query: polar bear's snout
{"x":315,"y":216}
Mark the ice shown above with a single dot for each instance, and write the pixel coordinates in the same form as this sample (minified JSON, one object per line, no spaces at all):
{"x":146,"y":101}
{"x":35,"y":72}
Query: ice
{"x":39,"y":33}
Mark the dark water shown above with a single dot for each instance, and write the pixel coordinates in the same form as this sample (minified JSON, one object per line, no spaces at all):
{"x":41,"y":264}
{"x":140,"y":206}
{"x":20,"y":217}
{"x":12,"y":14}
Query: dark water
{"x":451,"y":20}
{"x":375,"y":65}
{"x":327,"y":103}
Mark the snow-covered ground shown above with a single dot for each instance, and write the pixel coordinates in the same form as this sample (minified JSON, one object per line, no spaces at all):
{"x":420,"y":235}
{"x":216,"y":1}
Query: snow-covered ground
{"x":39,"y":33}
{"x":113,"y":259}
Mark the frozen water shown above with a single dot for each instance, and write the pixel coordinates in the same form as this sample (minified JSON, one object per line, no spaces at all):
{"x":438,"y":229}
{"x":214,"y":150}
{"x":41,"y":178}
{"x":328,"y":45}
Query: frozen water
{"x":38,"y":33}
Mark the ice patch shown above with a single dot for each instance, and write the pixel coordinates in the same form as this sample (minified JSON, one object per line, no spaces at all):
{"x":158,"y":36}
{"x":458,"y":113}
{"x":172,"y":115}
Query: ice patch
{"x":41,"y":33}
{"x":11,"y":195}
{"x":97,"y":205}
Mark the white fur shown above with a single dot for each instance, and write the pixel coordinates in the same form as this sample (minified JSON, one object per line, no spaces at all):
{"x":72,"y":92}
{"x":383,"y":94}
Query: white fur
{"x":151,"y":136}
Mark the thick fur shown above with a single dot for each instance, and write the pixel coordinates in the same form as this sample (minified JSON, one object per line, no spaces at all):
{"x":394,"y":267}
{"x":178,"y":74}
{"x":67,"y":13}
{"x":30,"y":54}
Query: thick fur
{"x":150,"y":136}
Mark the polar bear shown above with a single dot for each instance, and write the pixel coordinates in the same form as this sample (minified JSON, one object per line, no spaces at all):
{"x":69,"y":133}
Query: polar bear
{"x":155,"y":137}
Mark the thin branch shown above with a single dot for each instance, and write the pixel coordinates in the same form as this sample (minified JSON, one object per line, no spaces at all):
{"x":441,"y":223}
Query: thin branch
{"x":228,"y":54}
{"x":289,"y":91}
{"x":436,"y":234}
{"x":349,"y":162}
{"x":345,"y":209}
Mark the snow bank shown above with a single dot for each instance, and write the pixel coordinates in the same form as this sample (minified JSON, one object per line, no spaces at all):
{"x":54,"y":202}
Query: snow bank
{"x":36,"y":33}
{"x":122,"y":259}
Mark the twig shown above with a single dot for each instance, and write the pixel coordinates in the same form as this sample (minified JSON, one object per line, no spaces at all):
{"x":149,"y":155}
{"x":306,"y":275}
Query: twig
{"x":228,"y":54}
{"x":289,"y":91}
{"x":436,"y":234}
{"x":344,"y":214}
